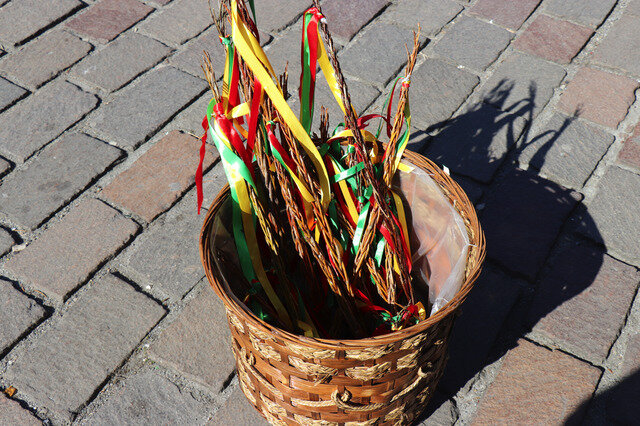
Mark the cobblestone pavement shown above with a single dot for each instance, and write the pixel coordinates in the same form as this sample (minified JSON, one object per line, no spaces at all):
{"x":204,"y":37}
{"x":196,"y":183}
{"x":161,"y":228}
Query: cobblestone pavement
{"x":106,"y":315}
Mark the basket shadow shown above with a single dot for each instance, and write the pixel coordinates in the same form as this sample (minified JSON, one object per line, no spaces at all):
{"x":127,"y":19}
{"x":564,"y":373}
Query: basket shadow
{"x":536,"y":261}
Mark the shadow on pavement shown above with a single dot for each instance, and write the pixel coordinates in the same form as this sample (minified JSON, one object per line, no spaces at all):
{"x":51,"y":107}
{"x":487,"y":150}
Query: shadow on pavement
{"x":524,"y":217}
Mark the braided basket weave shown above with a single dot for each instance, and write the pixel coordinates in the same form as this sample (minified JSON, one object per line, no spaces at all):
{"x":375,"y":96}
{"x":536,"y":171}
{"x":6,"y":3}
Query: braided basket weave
{"x":382,"y":380}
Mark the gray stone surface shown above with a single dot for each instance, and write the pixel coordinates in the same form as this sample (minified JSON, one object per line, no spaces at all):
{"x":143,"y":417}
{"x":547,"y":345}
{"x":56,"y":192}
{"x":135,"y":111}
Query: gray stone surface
{"x":432,"y":15}
{"x":166,"y":255}
{"x":9,"y":93}
{"x":189,"y":57}
{"x":362,"y":95}
{"x":63,"y":367}
{"x":11,"y":413}
{"x":633,"y":8}
{"x":476,"y":142}
{"x":475,"y":331}
{"x":522,"y":84}
{"x":284,"y":50}
{"x":522,"y":218}
{"x":473,"y":43}
{"x":139,"y":111}
{"x":42,"y":59}
{"x":362,"y":58}
{"x":120,"y":61}
{"x":178,"y":22}
{"x":6,"y":241}
{"x":4,"y":166}
{"x":621,"y":46}
{"x":440,"y":411}
{"x":346,"y":18}
{"x":437,"y":91}
{"x":59,"y":173}
{"x":237,"y":410}
{"x":587,"y":12}
{"x":68,"y":251}
{"x":611,"y":215}
{"x":198,"y":342}
{"x":274,"y":15}
{"x":581,"y":304}
{"x":17,"y":315}
{"x":39,"y":119}
{"x":189,"y":119}
{"x":149,"y":398}
{"x":19,"y":21}
{"x":566,"y":150}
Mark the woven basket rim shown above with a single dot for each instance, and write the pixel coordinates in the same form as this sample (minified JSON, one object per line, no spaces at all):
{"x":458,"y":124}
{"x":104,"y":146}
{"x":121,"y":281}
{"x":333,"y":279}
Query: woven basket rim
{"x":456,"y":196}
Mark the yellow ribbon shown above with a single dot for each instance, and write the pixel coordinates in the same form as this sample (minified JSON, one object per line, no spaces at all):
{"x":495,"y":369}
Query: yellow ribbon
{"x":253,"y":55}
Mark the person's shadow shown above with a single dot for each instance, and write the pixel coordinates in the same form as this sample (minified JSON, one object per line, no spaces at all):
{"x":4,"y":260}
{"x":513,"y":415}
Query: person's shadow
{"x":536,"y":261}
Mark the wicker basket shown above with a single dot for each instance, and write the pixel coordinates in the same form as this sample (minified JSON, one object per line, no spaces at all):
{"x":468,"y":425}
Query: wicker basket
{"x":382,"y":380}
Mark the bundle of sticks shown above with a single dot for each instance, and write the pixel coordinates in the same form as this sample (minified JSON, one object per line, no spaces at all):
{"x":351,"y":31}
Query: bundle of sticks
{"x":322,"y":239}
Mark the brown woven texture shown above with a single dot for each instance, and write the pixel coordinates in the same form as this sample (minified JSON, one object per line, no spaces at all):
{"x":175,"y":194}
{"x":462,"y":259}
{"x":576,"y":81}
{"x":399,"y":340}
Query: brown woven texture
{"x":383,"y":380}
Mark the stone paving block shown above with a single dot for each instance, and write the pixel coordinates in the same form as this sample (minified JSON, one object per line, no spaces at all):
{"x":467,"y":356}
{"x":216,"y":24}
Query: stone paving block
{"x":432,"y":15}
{"x":180,"y":21}
{"x":441,"y":412}
{"x":149,"y":398}
{"x":6,"y":241}
{"x":444,"y":86}
{"x":473,"y":43}
{"x":274,"y":15}
{"x":475,"y":331}
{"x":507,"y":13}
{"x":362,"y":59}
{"x":346,"y":18}
{"x":566,"y":150}
{"x":17,"y":315}
{"x":599,"y":96}
{"x":189,"y":58}
{"x":473,"y":189}
{"x":612,"y":216}
{"x":120,"y":61}
{"x":139,"y":111}
{"x":9,"y":93}
{"x":536,"y":383}
{"x":189,"y":120}
{"x":39,"y":119}
{"x":104,"y":20}
{"x":476,"y":142}
{"x":64,"y":256}
{"x":621,"y":46}
{"x":629,"y":156}
{"x":582,"y":303}
{"x":60,"y":172}
{"x":633,"y":8}
{"x":159,"y":177}
{"x":42,"y":59}
{"x":622,"y":407}
{"x":11,"y":413}
{"x":197,"y":343}
{"x":64,"y":367}
{"x":285,"y":49}
{"x":362,"y":95}
{"x":522,"y":84}
{"x":166,"y":255}
{"x":522,"y":218}
{"x":586,"y":12}
{"x":237,"y":410}
{"x":20,"y":20}
{"x":553,"y":39}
